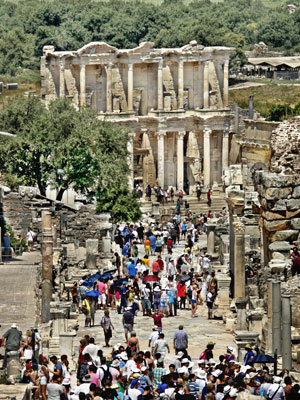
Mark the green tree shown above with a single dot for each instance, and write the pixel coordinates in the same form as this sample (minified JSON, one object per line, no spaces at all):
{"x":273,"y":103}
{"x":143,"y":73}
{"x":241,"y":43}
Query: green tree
{"x":280,"y":112}
{"x":63,"y":148}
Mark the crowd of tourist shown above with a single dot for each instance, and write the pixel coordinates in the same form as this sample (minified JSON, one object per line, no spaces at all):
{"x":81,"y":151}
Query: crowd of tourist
{"x":149,"y":279}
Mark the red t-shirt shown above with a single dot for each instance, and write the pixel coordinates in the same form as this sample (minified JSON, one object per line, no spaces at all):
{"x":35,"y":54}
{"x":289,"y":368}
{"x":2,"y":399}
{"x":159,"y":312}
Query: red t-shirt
{"x":181,"y":290}
{"x":155,"y":266}
{"x":157,"y":320}
{"x":160,"y":263}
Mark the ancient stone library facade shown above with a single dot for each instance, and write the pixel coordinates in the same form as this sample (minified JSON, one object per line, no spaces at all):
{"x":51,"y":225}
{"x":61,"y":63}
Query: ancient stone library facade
{"x":174,"y":101}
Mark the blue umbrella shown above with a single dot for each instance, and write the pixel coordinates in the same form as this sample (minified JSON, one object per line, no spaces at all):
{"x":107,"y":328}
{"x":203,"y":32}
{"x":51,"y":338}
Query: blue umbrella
{"x":263,"y":358}
{"x":93,"y":278}
{"x":92,"y":293}
{"x":106,"y":276}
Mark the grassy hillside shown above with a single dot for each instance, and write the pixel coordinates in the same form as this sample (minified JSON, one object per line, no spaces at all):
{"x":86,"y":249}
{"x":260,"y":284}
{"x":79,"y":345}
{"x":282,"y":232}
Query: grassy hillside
{"x":266,"y":96}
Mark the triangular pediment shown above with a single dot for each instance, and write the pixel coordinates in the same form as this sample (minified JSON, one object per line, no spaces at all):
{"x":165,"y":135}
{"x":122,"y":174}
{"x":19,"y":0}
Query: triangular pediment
{"x":97,"y":48}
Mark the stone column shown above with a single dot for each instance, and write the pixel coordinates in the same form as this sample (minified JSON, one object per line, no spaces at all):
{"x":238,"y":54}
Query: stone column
{"x":225,"y":149}
{"x":61,"y":78}
{"x":0,"y":247}
{"x":210,"y":231}
{"x":206,"y":156}
{"x":241,"y":315}
{"x":286,"y":333}
{"x":130,"y":159}
{"x":180,"y":160}
{"x":130,"y":87}
{"x":276,"y":317}
{"x":54,"y":235}
{"x":201,"y":83}
{"x":160,"y":89}
{"x":47,"y":261}
{"x":239,"y":259}
{"x":225,"y":85}
{"x":180,"y":84}
{"x":108,"y":88}
{"x":91,"y":246}
{"x":206,"y":85}
{"x":270,"y":315}
{"x":161,"y":158}
{"x":82,"y":85}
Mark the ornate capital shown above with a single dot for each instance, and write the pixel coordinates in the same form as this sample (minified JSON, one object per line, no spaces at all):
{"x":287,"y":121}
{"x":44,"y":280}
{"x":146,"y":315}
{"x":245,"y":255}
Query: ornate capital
{"x":207,"y":132}
{"x":239,"y":227}
{"x":180,"y":135}
{"x":160,"y":134}
{"x":160,"y":64}
{"x":226,"y":131}
{"x":130,"y":66}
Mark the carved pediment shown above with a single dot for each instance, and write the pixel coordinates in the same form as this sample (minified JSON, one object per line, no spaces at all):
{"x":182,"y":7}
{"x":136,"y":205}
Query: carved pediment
{"x":97,"y":48}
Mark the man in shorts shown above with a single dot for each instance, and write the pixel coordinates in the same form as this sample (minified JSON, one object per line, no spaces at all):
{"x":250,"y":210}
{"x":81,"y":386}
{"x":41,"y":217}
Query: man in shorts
{"x":127,"y":321}
{"x":101,"y":287}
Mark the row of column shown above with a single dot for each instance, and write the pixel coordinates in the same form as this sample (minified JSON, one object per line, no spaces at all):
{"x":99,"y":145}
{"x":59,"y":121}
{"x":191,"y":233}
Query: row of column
{"x":180,"y":156}
{"x":203,"y":78}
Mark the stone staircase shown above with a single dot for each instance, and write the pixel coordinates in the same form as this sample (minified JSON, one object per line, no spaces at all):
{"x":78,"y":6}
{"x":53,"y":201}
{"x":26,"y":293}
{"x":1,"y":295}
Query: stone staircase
{"x":167,"y":210}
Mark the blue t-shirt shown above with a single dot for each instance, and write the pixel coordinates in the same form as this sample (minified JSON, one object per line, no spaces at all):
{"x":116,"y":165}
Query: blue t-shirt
{"x":152,"y":240}
{"x":183,"y":227}
{"x":132,"y":270}
{"x":125,"y":249}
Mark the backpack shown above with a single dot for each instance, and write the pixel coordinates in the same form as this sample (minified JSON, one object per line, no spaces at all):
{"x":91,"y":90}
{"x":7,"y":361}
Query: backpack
{"x":203,"y":355}
{"x":107,"y":375}
{"x":296,"y":262}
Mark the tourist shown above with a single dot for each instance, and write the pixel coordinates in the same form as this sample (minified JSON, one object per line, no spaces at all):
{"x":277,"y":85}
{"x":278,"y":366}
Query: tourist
{"x":249,"y":354}
{"x":295,"y":257}
{"x":86,"y":310}
{"x":161,"y":346}
{"x":128,"y":321}
{"x":198,"y":190}
{"x":55,"y":389}
{"x":153,"y":339}
{"x":107,"y":327}
{"x":208,"y":195}
{"x":207,"y":354}
{"x":148,"y":192}
{"x":180,"y":341}
{"x":30,"y":236}
{"x":210,"y":298}
{"x":133,"y":343}
{"x":12,"y":339}
{"x":147,"y":245}
{"x":157,"y":316}
{"x":194,"y":300}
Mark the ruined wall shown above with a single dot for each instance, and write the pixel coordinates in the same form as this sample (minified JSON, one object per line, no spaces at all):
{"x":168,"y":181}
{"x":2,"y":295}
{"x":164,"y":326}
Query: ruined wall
{"x":21,"y":212}
{"x":280,"y":212}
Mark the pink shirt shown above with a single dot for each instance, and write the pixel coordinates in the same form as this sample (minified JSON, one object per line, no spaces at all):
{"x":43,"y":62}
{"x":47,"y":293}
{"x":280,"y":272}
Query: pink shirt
{"x":95,"y":379}
{"x":101,"y":287}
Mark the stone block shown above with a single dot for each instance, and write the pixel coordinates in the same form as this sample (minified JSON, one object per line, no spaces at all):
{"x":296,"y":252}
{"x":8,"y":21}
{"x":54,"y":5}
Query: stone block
{"x":284,"y":235}
{"x":276,"y":180}
{"x":296,"y":192}
{"x":280,"y":246}
{"x":295,"y":223}
{"x":280,"y":205}
{"x":292,"y":214}
{"x":270,"y":216}
{"x":293,"y":204}
{"x":271,"y":194}
{"x":277,"y":225}
{"x":277,"y":256}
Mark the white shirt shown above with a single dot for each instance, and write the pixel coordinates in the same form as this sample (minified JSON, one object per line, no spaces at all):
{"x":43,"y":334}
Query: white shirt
{"x":171,"y":269}
{"x":153,"y":337}
{"x":84,"y":387}
{"x":133,"y":394}
{"x":279,"y":394}
{"x":30,"y":236}
{"x":129,"y":366}
{"x":92,"y":350}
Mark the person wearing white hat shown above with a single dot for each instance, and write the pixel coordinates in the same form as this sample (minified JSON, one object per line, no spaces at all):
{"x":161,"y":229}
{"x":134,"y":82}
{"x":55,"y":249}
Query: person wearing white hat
{"x":276,"y":391}
{"x":201,"y":378}
{"x":153,"y":338}
{"x":229,"y":356}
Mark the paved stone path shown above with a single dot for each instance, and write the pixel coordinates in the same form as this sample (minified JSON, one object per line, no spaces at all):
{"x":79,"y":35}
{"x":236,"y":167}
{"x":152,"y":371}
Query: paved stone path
{"x":17,"y":295}
{"x":200,"y":330}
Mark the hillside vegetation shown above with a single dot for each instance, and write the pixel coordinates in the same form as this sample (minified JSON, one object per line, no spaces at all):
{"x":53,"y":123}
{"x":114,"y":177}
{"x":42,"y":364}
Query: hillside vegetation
{"x":27,"y":25}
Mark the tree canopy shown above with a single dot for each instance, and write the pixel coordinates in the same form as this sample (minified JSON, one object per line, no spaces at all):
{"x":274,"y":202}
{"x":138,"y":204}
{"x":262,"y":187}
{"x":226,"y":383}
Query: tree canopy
{"x":61,"y":147}
{"x":27,"y":25}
